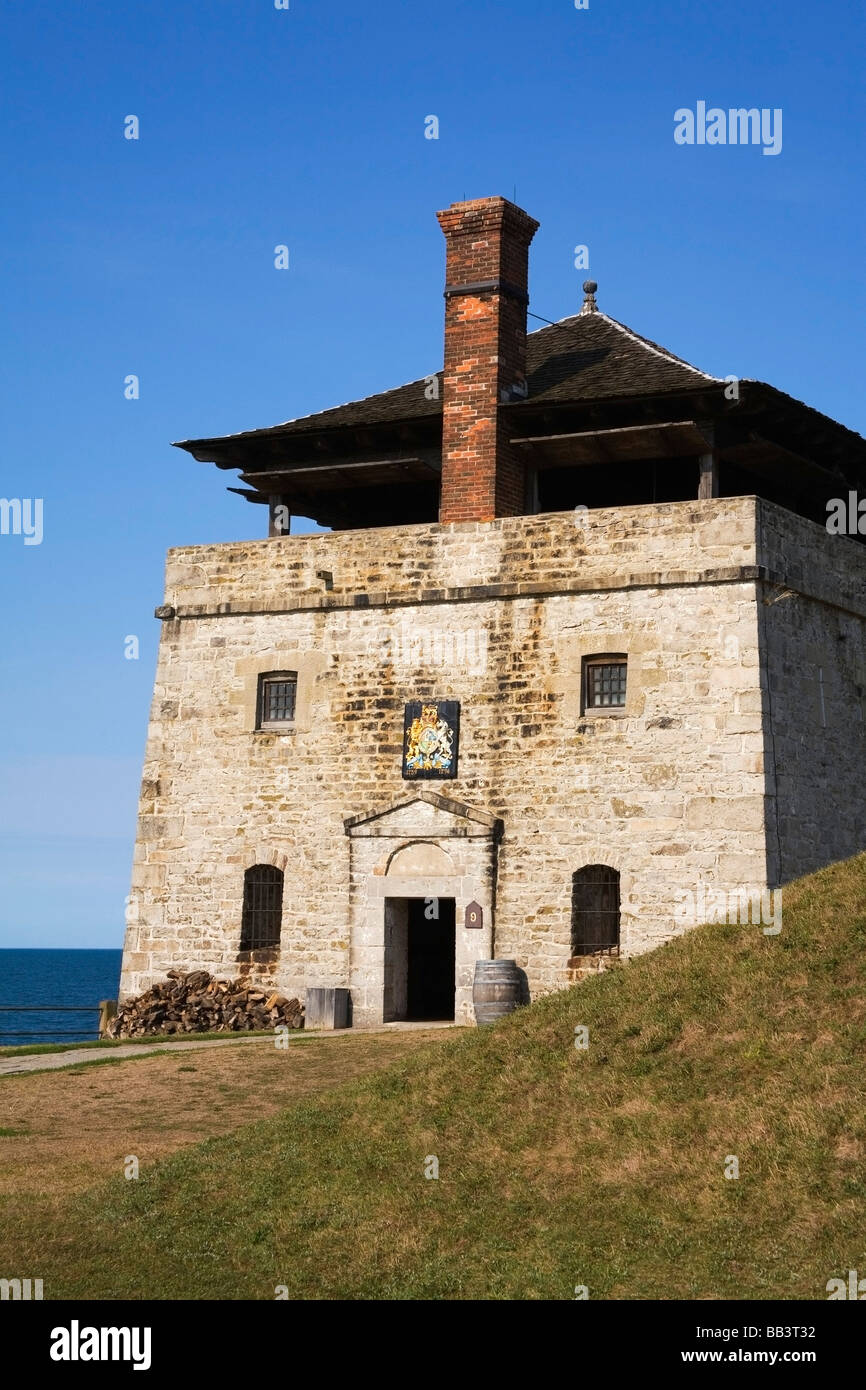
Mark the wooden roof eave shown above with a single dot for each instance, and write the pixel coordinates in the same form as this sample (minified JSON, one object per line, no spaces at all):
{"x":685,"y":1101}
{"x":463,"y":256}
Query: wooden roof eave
{"x":622,"y":444}
{"x":342,"y":474}
{"x":243,"y":450}
{"x":705,"y":402}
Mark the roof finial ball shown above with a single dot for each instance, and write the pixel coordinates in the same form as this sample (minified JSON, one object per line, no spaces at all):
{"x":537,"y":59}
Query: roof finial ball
{"x":589,"y":305}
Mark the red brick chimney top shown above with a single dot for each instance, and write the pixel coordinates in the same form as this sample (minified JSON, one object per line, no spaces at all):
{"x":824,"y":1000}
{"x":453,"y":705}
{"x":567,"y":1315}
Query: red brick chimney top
{"x":486,"y":279}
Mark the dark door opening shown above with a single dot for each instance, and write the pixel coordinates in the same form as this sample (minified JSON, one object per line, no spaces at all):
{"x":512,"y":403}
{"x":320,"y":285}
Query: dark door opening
{"x":595,"y":911}
{"x":431,"y":942}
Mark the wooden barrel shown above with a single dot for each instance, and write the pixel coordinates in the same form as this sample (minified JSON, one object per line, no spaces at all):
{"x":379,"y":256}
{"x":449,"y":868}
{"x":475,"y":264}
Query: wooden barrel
{"x":495,"y":990}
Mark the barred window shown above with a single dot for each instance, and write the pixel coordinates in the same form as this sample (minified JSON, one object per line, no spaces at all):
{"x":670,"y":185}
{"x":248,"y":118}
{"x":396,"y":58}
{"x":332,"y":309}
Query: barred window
{"x":604,"y":679}
{"x":277,"y":696}
{"x":263,"y":907}
{"x":595,"y":910}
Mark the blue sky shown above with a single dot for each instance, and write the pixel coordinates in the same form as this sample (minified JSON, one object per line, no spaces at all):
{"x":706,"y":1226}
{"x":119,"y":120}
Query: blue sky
{"x":305,"y":127}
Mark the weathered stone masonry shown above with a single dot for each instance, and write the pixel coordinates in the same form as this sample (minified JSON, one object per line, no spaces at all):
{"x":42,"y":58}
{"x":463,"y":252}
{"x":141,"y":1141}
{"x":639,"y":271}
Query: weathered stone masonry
{"x":675,"y":791}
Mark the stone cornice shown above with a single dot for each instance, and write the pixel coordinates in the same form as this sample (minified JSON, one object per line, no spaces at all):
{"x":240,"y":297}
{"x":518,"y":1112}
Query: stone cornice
{"x":480,"y":593}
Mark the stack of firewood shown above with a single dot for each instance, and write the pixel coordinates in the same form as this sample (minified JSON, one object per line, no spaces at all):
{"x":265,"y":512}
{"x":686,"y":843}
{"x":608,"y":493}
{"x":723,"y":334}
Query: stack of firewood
{"x":198,"y":1003}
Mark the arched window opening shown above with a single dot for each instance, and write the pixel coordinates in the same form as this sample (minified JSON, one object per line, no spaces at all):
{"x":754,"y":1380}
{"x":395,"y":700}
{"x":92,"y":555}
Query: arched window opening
{"x":263,"y":907}
{"x":595,"y":911}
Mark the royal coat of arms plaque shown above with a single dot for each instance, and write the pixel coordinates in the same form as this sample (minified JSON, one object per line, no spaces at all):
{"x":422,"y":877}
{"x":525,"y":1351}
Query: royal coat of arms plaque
{"x":430,"y":733}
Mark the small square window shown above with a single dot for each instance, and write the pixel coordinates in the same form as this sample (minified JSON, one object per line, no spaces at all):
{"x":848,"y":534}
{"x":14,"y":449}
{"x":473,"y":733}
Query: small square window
{"x":604,"y":683}
{"x":277,"y":697}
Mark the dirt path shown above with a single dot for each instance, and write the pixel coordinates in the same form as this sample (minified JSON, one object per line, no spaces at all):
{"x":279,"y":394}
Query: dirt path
{"x":61,"y":1131}
{"x":51,"y":1061}
{"x":72,"y":1056}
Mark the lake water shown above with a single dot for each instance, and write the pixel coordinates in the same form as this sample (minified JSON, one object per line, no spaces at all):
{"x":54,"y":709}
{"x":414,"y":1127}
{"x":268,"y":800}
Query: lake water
{"x":55,"y":977}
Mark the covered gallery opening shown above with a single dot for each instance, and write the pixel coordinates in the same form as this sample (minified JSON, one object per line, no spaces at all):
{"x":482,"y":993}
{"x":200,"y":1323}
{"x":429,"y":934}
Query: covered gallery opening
{"x":419,"y":959}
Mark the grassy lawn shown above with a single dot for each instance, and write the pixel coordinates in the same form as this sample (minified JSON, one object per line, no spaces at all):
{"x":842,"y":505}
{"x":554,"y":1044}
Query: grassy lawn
{"x":557,"y":1167}
{"x":60,"y":1131}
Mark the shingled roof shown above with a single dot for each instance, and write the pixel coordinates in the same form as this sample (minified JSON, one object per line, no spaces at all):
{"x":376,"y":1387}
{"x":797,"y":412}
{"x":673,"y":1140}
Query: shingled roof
{"x":587,"y":357}
{"x":597,"y":394}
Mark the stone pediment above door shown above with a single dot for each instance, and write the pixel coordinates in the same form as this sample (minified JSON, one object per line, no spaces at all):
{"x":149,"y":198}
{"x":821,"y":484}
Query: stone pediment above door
{"x":424,"y":846}
{"x":427,"y":815}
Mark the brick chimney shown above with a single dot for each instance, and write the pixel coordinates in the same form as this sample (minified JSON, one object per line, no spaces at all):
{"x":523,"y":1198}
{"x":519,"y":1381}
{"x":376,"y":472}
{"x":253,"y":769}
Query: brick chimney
{"x":486,"y":278}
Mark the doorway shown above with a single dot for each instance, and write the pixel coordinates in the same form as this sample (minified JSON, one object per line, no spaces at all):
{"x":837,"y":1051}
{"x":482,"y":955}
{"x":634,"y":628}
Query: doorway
{"x":419,"y":959}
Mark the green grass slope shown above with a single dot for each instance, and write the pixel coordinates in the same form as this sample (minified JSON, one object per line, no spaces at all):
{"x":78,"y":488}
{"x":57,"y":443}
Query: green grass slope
{"x":557,"y":1167}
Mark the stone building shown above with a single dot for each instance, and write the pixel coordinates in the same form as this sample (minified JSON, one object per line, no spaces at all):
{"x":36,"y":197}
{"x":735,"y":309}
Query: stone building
{"x":576,"y":658}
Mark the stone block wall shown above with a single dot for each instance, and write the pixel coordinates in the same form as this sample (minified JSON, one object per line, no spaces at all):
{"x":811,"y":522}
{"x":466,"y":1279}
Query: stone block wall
{"x":498,"y":616}
{"x":812,"y":612}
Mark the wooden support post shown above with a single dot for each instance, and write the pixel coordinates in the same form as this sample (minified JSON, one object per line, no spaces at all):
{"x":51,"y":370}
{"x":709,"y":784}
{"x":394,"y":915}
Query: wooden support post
{"x":708,"y":485}
{"x":279,"y":516}
{"x":708,"y":477}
